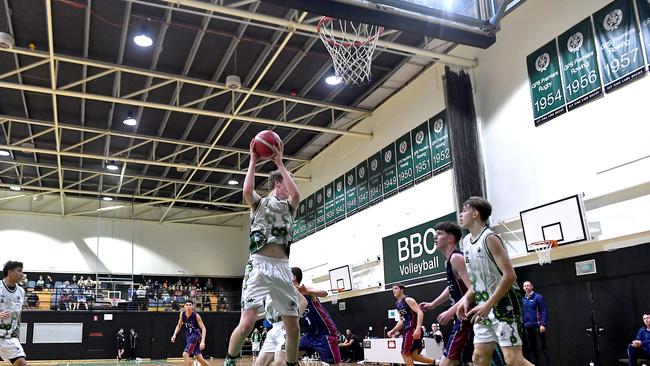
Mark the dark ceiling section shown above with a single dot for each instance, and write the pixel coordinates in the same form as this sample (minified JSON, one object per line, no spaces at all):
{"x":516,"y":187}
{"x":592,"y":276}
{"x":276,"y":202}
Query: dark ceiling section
{"x":192,"y":54}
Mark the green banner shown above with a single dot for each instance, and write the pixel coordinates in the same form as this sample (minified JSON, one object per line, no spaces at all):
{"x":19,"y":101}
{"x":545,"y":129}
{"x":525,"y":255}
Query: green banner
{"x":389,"y":170}
{"x":363,"y":195}
{"x":579,"y":65}
{"x":310,"y":218}
{"x":643,"y":8}
{"x":440,"y":147}
{"x":350,"y":192}
{"x":619,"y":46}
{"x":545,"y":81}
{"x":421,"y":152}
{"x":374,"y":179}
{"x":299,"y":222}
{"x":410,"y":256}
{"x":339,"y":198}
{"x":404,"y":162}
{"x":320,"y":209}
{"x":330,"y":212}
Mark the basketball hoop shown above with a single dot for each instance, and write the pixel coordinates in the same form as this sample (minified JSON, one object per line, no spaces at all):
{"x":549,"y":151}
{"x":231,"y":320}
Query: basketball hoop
{"x":351,"y":46}
{"x":335,"y":292}
{"x":114,"y":302}
{"x":543,"y":250}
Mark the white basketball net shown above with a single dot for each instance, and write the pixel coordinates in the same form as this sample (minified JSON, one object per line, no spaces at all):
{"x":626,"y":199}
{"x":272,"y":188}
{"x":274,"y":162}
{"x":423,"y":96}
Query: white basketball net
{"x":351,"y":46}
{"x":543,"y":250}
{"x":114,"y":302}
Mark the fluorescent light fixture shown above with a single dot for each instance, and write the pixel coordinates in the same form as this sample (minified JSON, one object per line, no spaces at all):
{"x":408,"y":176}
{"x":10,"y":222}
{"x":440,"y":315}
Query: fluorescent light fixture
{"x":233,"y":182}
{"x":142,"y":39}
{"x":333,"y":80}
{"x":15,"y":188}
{"x":110,"y":208}
{"x":106,"y":198}
{"x":130,"y":121}
{"x":4,"y":153}
{"x":112,"y":166}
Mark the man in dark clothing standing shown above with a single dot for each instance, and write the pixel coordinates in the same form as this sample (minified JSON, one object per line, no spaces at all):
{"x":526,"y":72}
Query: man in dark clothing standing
{"x":535,"y":321}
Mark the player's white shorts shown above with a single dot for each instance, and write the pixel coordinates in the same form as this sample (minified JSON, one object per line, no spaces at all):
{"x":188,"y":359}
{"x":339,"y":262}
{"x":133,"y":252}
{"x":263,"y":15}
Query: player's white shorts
{"x":11,"y":349}
{"x":275,"y":339}
{"x":269,"y":276}
{"x":493,"y":330}
{"x":256,"y":346}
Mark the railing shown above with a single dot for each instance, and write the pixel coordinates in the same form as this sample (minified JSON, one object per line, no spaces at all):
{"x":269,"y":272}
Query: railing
{"x":121,"y":297}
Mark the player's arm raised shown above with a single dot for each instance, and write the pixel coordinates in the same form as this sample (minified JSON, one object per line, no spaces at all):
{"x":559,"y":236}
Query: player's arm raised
{"x":289,"y":183}
{"x":204,"y":332}
{"x":250,"y":196}
{"x":508,"y":277}
{"x":311,"y":291}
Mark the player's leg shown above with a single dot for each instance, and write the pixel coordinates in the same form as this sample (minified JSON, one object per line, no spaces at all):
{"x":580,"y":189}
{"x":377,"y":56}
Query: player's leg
{"x":460,"y":335}
{"x":202,"y":361}
{"x":279,"y":359}
{"x":20,"y":361}
{"x":187,"y":361}
{"x":510,"y":341}
{"x":407,"y":343}
{"x":482,"y":355}
{"x":292,"y":327}
{"x":254,"y":290}
{"x":12,"y":350}
{"x":243,"y":329}
{"x":417,"y":356}
{"x":264,"y":359}
{"x":327,"y":348}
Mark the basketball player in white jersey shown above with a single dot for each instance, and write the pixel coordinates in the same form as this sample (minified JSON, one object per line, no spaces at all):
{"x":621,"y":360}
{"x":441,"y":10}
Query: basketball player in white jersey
{"x":12,"y":297}
{"x":497,"y":315}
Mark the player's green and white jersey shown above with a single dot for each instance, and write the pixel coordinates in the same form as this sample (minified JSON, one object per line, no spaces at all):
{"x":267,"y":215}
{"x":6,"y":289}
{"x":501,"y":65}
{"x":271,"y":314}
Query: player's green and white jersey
{"x":11,"y":300}
{"x":484,"y":275}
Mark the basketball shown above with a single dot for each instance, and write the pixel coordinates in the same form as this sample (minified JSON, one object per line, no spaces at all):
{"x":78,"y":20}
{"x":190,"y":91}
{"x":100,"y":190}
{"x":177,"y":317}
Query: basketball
{"x":264,"y":142}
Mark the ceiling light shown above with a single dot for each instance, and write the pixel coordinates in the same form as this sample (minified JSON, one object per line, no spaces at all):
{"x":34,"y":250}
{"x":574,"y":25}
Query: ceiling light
{"x":112,"y":166}
{"x":106,"y":198}
{"x":333,"y":80}
{"x":233,"y":182}
{"x":130,"y":121}
{"x":142,"y":39}
{"x":110,"y":208}
{"x":4,"y":153}
{"x":15,"y":188}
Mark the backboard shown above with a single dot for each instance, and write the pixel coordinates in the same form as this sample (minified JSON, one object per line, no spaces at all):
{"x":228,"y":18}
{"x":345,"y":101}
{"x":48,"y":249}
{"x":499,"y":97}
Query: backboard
{"x":458,"y":21}
{"x":562,"y":220}
{"x":341,"y":279}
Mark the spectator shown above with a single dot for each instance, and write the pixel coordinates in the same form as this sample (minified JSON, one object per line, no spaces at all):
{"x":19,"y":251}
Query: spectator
{"x":81,"y":283}
{"x":40,"y":284}
{"x":120,"y":340}
{"x":349,"y":347}
{"x":81,"y":300}
{"x":436,"y":333}
{"x":133,"y":344}
{"x":535,"y":319}
{"x":48,"y":282}
{"x":223,"y":303}
{"x":209,"y":285}
{"x":640,"y":346}
{"x":64,"y":299}
{"x":32,"y":300}
{"x":74,"y":279}
{"x":23,"y":281}
{"x":207,"y":303}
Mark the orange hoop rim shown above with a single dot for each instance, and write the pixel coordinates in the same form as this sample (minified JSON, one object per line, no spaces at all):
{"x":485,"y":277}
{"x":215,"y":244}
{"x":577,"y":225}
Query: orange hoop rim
{"x":543,"y":244}
{"x":324,"y":20}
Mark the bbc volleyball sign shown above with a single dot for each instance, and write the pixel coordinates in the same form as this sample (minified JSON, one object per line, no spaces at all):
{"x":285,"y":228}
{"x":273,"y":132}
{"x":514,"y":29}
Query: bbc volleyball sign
{"x":410,"y":256}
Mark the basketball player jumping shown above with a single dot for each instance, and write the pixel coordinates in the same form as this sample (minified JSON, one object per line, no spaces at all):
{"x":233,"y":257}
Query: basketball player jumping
{"x":12,"y":297}
{"x":267,"y":271}
{"x":194,"y":334}
{"x":497,"y":315}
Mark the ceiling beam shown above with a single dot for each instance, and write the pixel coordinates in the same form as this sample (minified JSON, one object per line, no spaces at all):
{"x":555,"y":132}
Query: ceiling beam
{"x":441,"y":57}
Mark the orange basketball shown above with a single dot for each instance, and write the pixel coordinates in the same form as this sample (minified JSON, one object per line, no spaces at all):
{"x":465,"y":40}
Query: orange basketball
{"x":263,"y":142}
